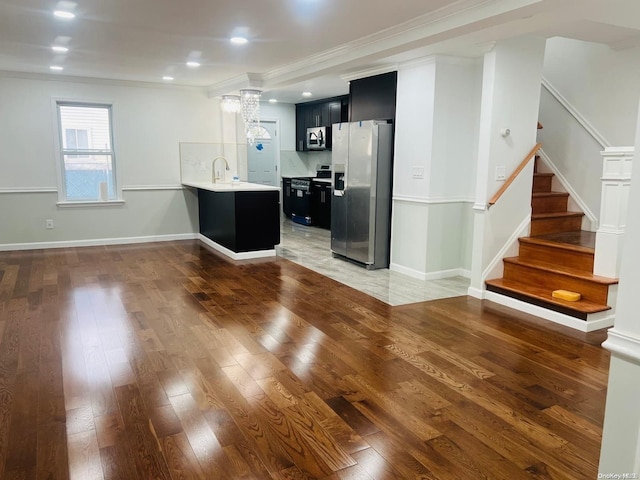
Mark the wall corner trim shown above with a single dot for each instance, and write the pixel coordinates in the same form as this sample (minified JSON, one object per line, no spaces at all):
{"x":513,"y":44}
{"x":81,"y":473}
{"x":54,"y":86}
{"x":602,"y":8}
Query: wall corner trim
{"x":591,"y":130}
{"x":570,"y":190}
{"x":518,"y":232}
{"x":430,"y":200}
{"x":623,"y":344}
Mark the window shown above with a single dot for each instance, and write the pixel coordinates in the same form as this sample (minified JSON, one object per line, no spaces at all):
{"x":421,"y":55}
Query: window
{"x":86,"y":151}
{"x":77,"y":139}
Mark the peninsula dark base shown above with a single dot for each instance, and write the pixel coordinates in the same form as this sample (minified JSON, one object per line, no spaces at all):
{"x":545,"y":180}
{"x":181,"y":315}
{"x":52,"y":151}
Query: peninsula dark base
{"x":240,"y":221}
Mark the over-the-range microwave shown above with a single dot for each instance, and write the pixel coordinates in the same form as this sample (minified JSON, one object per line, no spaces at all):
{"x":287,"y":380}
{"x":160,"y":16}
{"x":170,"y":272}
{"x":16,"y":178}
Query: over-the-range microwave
{"x":317,"y":138}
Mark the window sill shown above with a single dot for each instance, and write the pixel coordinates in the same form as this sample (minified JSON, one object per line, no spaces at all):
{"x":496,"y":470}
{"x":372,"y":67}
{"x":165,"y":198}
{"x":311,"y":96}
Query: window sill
{"x":92,"y":203}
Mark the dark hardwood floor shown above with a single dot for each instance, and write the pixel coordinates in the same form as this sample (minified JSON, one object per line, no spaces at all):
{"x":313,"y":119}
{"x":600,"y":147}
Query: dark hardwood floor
{"x":166,"y":361}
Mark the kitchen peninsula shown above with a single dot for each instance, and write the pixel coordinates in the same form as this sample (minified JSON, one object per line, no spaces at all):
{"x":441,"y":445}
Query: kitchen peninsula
{"x":239,"y":219}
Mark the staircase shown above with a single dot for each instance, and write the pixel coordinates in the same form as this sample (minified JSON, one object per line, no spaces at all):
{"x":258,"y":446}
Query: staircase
{"x":557,"y":256}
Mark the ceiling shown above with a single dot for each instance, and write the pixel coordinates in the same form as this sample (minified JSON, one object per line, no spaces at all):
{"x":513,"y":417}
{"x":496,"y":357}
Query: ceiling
{"x":294,"y":45}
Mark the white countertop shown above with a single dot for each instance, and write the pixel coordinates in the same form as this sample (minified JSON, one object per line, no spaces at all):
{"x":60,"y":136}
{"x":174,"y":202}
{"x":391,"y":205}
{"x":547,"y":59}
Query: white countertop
{"x":231,"y":187}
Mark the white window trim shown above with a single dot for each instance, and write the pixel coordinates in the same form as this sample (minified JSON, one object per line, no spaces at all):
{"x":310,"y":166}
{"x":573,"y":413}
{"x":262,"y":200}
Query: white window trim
{"x":57,"y":144}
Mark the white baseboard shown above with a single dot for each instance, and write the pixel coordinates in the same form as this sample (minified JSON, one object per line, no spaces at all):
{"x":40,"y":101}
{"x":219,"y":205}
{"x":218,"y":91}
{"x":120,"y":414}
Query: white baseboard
{"x":234,"y":255}
{"x":425,"y":276}
{"x":475,"y":293}
{"x":409,"y":272}
{"x":520,"y":231}
{"x":623,"y":344}
{"x":594,"y":322}
{"x":97,"y":242}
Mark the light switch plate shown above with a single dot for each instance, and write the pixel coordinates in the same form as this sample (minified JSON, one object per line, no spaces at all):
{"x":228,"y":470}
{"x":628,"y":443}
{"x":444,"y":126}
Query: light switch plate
{"x":500,"y":173}
{"x":417,"y":172}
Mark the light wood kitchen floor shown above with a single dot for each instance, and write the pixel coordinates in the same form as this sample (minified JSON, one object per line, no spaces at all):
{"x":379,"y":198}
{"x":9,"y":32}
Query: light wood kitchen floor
{"x":168,"y":361}
{"x":311,"y":247}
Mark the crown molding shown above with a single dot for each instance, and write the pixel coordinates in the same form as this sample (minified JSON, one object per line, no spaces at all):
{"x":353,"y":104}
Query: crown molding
{"x":235,"y":84}
{"x":438,"y":25}
{"x":48,"y":77}
{"x":486,"y":47}
{"x":434,"y":59}
{"x":369,"y":72}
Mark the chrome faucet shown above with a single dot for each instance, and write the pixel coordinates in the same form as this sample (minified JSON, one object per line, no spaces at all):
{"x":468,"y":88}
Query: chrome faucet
{"x":215,"y":176}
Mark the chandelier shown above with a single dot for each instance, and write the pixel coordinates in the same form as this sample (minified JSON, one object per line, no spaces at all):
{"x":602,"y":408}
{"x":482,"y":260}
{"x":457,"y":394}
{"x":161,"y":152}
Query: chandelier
{"x":250,"y":110}
{"x":230,"y":103}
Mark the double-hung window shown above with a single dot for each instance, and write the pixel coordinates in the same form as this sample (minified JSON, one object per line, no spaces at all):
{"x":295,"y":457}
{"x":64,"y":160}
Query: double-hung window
{"x":86,"y":152}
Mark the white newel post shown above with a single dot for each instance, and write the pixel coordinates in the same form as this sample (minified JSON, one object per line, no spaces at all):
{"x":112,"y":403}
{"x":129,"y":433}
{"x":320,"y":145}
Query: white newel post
{"x":616,"y":178}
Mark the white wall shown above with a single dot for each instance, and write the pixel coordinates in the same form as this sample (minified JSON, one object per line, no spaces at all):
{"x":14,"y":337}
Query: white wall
{"x":620,"y":451}
{"x":292,"y":162}
{"x":149,"y":123}
{"x":572,"y":150}
{"x":601,"y":83}
{"x":437,"y":121}
{"x":456,"y":123}
{"x":510,"y":98}
{"x":286,"y":114}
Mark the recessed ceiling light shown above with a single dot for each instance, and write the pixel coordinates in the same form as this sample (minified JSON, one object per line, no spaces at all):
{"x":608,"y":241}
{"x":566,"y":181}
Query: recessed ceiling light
{"x":273,"y":100}
{"x":56,"y":68}
{"x":59,"y":49}
{"x":239,"y":40}
{"x":193,"y":64}
{"x":306,"y":94}
{"x":64,"y":14}
{"x":167,"y":78}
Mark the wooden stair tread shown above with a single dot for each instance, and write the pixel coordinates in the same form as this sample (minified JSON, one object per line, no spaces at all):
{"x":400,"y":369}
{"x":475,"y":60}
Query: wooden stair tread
{"x":544,"y":295}
{"x":563,"y":270}
{"x":541,"y":216}
{"x":543,"y":174}
{"x":547,"y":240}
{"x":549,"y":194}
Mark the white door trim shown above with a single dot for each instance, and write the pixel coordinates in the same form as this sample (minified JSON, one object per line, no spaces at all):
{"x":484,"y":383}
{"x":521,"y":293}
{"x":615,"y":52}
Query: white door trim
{"x":276,"y":145}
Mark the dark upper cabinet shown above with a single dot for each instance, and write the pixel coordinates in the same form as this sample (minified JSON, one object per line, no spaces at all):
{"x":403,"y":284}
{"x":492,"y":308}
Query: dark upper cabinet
{"x":335,"y":112}
{"x":374,"y":98}
{"x":301,"y":127}
{"x":323,"y":113}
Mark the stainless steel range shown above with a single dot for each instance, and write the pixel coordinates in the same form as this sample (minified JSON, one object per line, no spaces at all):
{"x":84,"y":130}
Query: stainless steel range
{"x":301,"y":200}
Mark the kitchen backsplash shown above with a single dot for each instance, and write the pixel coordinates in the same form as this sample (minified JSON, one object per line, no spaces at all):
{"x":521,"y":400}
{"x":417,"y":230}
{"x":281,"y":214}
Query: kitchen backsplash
{"x":302,"y":163}
{"x":196,"y":160}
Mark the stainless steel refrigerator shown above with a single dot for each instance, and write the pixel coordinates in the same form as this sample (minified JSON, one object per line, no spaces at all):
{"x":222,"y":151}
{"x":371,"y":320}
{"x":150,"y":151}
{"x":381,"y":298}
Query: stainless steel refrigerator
{"x":361,"y":192}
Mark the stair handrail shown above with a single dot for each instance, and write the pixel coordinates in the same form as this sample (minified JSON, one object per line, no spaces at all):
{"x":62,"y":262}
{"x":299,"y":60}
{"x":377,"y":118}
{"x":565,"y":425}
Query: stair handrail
{"x":514,"y":175}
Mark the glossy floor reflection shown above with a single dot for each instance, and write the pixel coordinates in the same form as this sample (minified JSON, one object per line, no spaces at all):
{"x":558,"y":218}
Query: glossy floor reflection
{"x":311,"y":248}
{"x":169,"y":361}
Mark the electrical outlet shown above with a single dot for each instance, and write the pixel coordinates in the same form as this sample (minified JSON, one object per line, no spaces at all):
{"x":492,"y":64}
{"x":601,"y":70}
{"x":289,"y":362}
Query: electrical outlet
{"x":417,"y":172}
{"x":48,"y":223}
{"x":501,"y":173}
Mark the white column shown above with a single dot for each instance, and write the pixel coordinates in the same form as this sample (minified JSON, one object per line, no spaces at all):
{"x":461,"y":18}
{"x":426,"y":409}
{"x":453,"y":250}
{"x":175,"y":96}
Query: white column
{"x":620,"y":451}
{"x":512,"y":74}
{"x":616,"y":179}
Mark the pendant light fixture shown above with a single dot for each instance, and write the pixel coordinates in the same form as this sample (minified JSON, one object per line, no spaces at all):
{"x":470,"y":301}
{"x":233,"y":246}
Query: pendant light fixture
{"x":250,"y":110}
{"x":230,"y":103}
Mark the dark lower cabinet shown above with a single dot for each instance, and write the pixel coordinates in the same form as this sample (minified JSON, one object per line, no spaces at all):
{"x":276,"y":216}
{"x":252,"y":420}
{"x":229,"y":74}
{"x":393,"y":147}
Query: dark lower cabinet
{"x":241,"y":221}
{"x":286,"y":197}
{"x":321,"y":204}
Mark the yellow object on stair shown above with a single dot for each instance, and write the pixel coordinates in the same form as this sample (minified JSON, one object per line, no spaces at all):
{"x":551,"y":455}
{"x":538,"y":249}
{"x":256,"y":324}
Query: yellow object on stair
{"x":566,"y":295}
